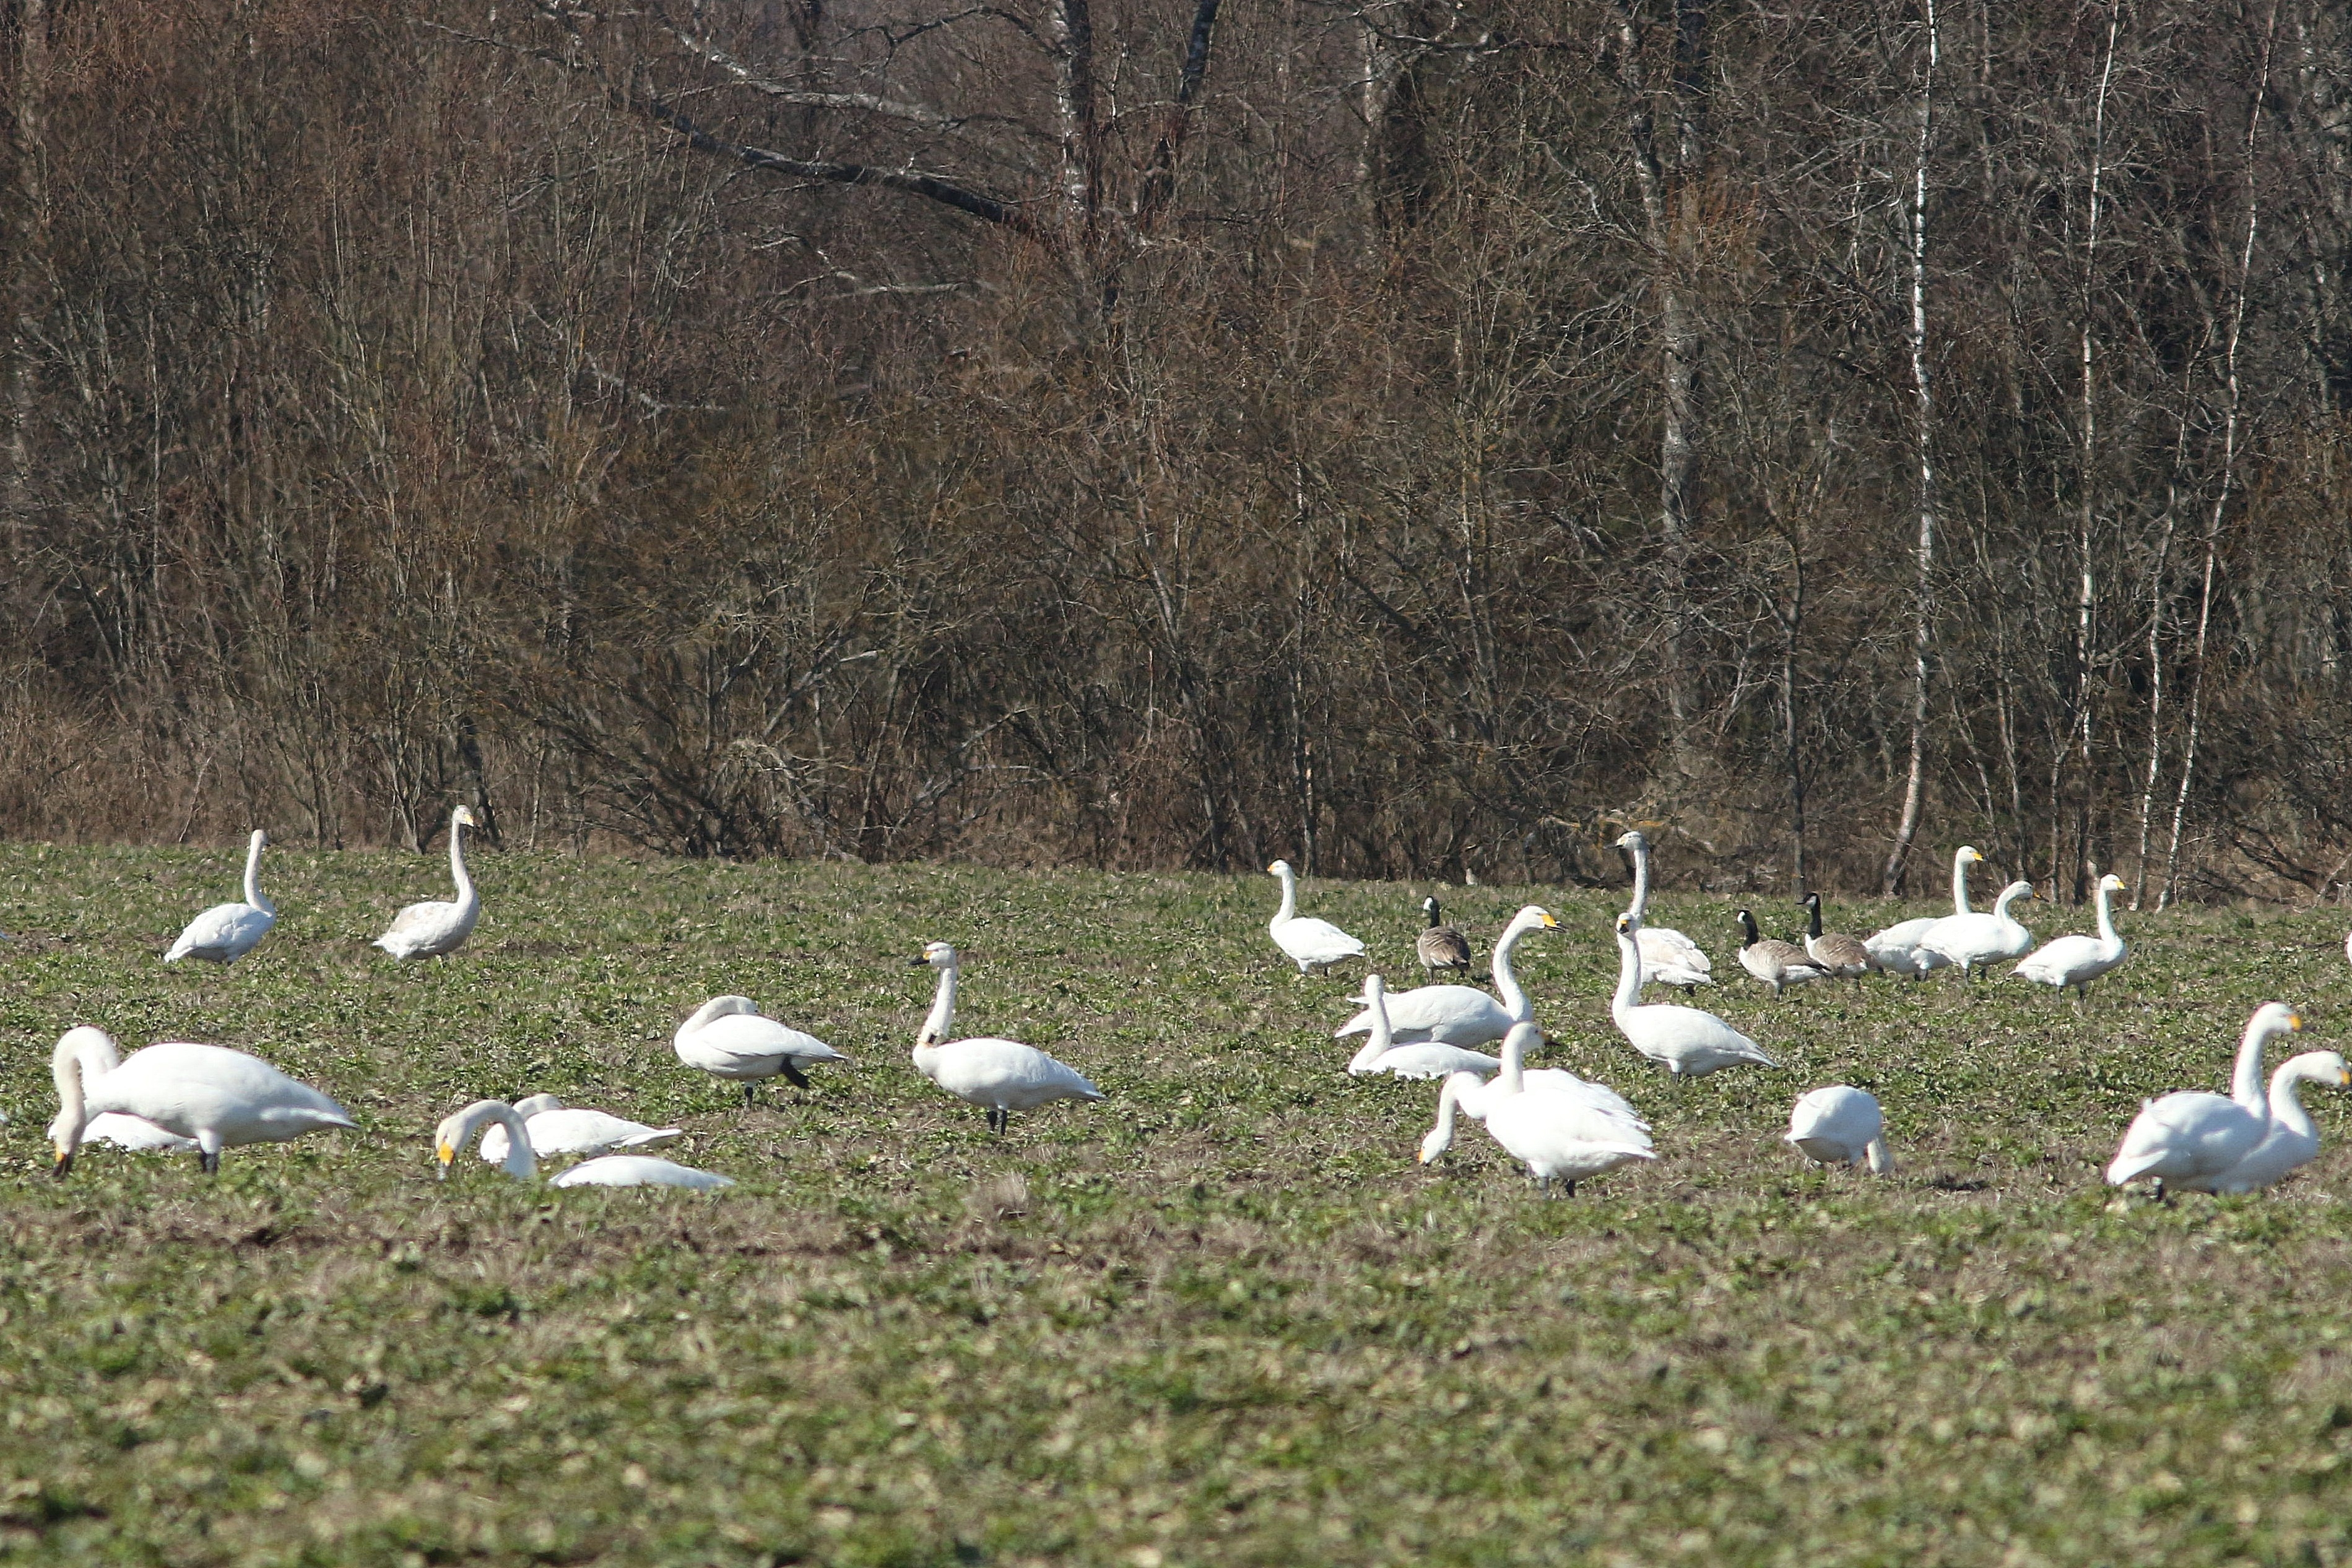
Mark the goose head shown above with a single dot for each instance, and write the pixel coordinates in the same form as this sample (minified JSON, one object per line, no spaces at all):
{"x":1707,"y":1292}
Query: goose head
{"x":1747,"y":928}
{"x":1429,"y":907}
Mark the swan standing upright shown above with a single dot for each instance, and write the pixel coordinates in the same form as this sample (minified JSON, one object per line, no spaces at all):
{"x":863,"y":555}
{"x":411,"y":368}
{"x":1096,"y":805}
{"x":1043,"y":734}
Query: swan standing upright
{"x":2077,"y":960}
{"x":1896,"y":949}
{"x":1561,"y":1135}
{"x":1463,"y":1015}
{"x":1970,"y":942}
{"x":431,"y":929}
{"x":730,"y":1037}
{"x":1691,"y":1043}
{"x":2292,"y":1141}
{"x":1000,"y":1075}
{"x":1428,"y":1059}
{"x":1668,"y":957}
{"x":227,"y":932}
{"x":1840,"y":1125}
{"x":218,"y":1098}
{"x":517,"y":1161}
{"x":1313,"y":945}
{"x":2191,"y":1138}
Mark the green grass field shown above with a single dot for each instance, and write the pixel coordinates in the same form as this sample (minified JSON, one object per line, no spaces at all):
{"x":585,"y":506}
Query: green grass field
{"x":1221,"y":1317}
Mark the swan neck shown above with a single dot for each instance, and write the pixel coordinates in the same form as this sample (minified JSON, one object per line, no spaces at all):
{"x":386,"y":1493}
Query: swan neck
{"x":253,"y":879}
{"x":1960,"y":885}
{"x":1289,"y":910}
{"x":1384,"y":1034}
{"x":935,"y":1027}
{"x":1513,"y":1077}
{"x":1641,"y":906}
{"x":1629,"y":974}
{"x":2107,"y":932}
{"x":1515,"y":1000}
{"x":2246,"y":1076}
{"x":2008,"y":895}
{"x":2286,"y":1105}
{"x":1441,"y":1136}
{"x":66,"y":1069}
{"x":457,"y":861}
{"x":521,"y":1161}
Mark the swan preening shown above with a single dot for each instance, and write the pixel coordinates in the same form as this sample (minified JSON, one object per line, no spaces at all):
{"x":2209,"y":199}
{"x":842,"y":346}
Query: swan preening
{"x":558,"y":1129}
{"x":1000,"y":1075}
{"x":1969,"y":942}
{"x":227,"y":932}
{"x":429,"y":930}
{"x":1312,"y":944}
{"x":2076,"y":961}
{"x":730,"y":1037}
{"x":517,"y":1161}
{"x":213,"y":1096}
{"x":1425,"y":1059}
{"x":2193,"y":1139}
{"x":1777,"y":964}
{"x":1690,"y":1043}
{"x":1896,"y":949}
{"x":1668,"y":957}
{"x":1840,"y":1125}
{"x":1565,"y":1130}
{"x":1463,"y":1015}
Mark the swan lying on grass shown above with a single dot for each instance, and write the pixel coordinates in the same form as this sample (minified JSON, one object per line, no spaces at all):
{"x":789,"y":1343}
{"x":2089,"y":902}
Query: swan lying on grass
{"x":450,"y":1138}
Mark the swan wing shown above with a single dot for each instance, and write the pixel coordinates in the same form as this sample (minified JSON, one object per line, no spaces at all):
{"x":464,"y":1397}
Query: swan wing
{"x":750,"y":1041}
{"x":191,"y":1090}
{"x":1449,"y":1015}
{"x":1661,"y":946}
{"x":1311,"y":941}
{"x":573,"y":1131}
{"x":1432,"y":1061}
{"x":2186,"y":1137}
{"x":222,"y":934}
{"x":126,"y":1132}
{"x":640,"y":1170}
{"x":1005,"y":1072}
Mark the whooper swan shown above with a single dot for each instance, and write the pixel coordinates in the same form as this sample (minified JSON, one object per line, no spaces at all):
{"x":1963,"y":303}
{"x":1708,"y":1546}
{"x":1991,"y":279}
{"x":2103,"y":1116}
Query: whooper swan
{"x":1668,"y":957}
{"x":429,"y":930}
{"x":559,"y":1129}
{"x":1463,"y":1015}
{"x":1896,"y":949}
{"x":227,"y":932}
{"x":1969,"y":942}
{"x":1426,"y":1059}
{"x":1691,"y":1043}
{"x":222,"y":1099}
{"x":1312,"y":944}
{"x":1564,"y":1133}
{"x":730,"y":1037}
{"x":2292,"y":1141}
{"x":2076,"y":960}
{"x":2191,"y":1139}
{"x":517,"y":1161}
{"x":1001,"y":1075}
{"x":1841,"y":1126}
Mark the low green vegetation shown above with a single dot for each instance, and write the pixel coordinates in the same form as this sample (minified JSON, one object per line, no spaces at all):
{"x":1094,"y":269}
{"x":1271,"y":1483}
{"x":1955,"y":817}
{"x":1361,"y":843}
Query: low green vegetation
{"x":1221,"y":1317}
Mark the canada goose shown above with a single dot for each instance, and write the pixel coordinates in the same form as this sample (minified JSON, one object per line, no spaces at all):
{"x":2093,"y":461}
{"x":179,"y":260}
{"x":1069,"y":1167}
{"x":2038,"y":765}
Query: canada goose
{"x":1840,"y":1126}
{"x":1970,"y":942}
{"x":227,"y":932}
{"x":1841,"y":955}
{"x":730,"y":1037}
{"x":1559,"y":1135}
{"x":2191,"y":1138}
{"x":431,"y":929}
{"x":1691,"y":1043}
{"x":1776,"y":963}
{"x":1463,"y":1015}
{"x":1001,"y":1075}
{"x":1312,"y":944}
{"x":1441,"y":947}
{"x":2077,"y":960}
{"x":1668,"y":957}
{"x":1896,"y":949}
{"x":2292,"y":1141}
{"x":220,"y":1098}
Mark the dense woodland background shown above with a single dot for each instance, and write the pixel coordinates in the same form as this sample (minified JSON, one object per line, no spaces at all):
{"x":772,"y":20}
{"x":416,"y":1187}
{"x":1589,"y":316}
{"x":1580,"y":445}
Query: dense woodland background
{"x":1411,"y":438}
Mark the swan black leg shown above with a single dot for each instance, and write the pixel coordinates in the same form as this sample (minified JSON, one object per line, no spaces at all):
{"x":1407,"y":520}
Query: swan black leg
{"x":793,"y":1076}
{"x":749,"y":1088}
{"x":209,"y":1160}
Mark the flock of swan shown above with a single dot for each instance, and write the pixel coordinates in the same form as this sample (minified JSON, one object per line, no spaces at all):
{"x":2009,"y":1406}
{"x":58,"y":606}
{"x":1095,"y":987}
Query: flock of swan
{"x":182,"y":1096}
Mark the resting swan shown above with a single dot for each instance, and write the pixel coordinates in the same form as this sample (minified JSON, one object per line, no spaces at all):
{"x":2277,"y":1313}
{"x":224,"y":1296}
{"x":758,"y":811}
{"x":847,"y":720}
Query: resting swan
{"x":1462,"y":1015}
{"x":518,"y":1162}
{"x":1311,"y":944}
{"x":2076,"y":961}
{"x":1427,"y":1059}
{"x":556,"y":1129}
{"x":2191,"y":1139}
{"x":1896,"y":949}
{"x":227,"y":932}
{"x":2292,"y":1141}
{"x":1668,"y":957}
{"x":1567,"y":1133}
{"x":1001,"y":1075}
{"x":1690,"y":1042}
{"x":1970,"y":942}
{"x":1841,"y":1126}
{"x":730,"y":1037}
{"x":218,"y":1098}
{"x":429,"y":930}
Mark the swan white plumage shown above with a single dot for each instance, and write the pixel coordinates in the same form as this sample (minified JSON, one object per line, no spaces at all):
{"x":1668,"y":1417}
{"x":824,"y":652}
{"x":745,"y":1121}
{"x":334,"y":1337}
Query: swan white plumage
{"x":97,"y":1053}
{"x":2191,"y":1138}
{"x":227,"y":932}
{"x":1312,"y":944}
{"x":1668,"y":957}
{"x":1896,"y":949}
{"x":2292,"y":1141}
{"x":1840,"y":1125}
{"x":431,"y":929}
{"x":215,"y":1097}
{"x":730,"y":1037}
{"x":517,"y":1161}
{"x":1691,"y":1043}
{"x":560,"y":1129}
{"x":1568,"y":1133}
{"x":1000,"y":1075}
{"x":1462,"y":1015}
{"x":2077,"y":960}
{"x":1428,"y":1059}
{"x":1969,"y":942}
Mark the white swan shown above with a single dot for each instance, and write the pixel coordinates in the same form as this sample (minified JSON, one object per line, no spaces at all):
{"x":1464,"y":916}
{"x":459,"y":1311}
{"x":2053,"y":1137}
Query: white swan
{"x":219,"y":1098}
{"x":1426,"y":1059}
{"x":429,"y":930}
{"x":730,"y":1037}
{"x":1690,"y":1042}
{"x":1969,"y":942}
{"x":1841,"y":1126}
{"x":98,"y":1054}
{"x":1560,"y":1134}
{"x":1312,"y":944}
{"x":2292,"y":1141}
{"x":1002,"y":1075}
{"x":560,"y":1129}
{"x":1668,"y":957}
{"x":2191,"y":1138}
{"x":2076,"y":961}
{"x":1462,"y":1015}
{"x":227,"y":932}
{"x":517,"y":1161}
{"x":1896,"y":949}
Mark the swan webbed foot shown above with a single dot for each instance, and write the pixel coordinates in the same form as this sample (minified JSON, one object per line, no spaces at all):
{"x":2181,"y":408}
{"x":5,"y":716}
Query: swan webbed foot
{"x":793,"y":1076}
{"x":750,"y":1089}
{"x":209,"y":1159}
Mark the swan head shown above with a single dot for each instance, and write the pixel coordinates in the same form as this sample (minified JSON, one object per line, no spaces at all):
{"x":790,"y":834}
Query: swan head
{"x":2320,"y":1067}
{"x":260,"y":838}
{"x":2273,"y":1018}
{"x":1634,"y":840}
{"x":936,"y":956}
{"x":1626,"y":926}
{"x":1374,"y":988}
{"x":457,"y":1129}
{"x":2019,"y":888}
{"x":1535,"y":917}
{"x":2111,"y":883}
{"x":1968,"y":856}
{"x":532,"y":1104}
{"x":463,"y":817}
{"x":1281,"y":869}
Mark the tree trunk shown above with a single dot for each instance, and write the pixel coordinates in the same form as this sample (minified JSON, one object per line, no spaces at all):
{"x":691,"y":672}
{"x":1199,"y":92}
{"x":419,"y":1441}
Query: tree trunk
{"x":26,"y":266}
{"x":2086,"y":596}
{"x":1915,"y":787}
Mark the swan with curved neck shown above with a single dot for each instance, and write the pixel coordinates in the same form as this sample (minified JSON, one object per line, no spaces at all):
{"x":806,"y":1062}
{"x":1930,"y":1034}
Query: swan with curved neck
{"x":2193,"y":1138}
{"x":1463,"y":1015}
{"x":1429,"y":1058}
{"x":1691,"y":1043}
{"x":457,"y":1129}
{"x":1560,"y":1136}
{"x":2292,"y":1141}
{"x":556,"y":1129}
{"x":227,"y":932}
{"x":215,"y":1097}
{"x":1896,"y":949}
{"x":1000,"y":1075}
{"x":729,"y":1037}
{"x":1840,"y":1125}
{"x":1970,"y":942}
{"x":1668,"y":957}
{"x":2077,"y":960}
{"x":429,"y":930}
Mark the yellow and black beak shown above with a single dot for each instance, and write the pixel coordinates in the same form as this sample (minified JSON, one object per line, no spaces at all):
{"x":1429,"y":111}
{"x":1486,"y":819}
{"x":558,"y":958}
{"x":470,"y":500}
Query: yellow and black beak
{"x":64,"y":1161}
{"x":918,"y":961}
{"x":445,"y":1154}
{"x":1551,"y":921}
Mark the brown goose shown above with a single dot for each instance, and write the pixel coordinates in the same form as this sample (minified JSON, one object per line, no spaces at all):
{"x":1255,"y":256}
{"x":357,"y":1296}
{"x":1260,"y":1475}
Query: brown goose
{"x":1441,"y":947}
{"x":1841,"y":955}
{"x":1777,"y":964}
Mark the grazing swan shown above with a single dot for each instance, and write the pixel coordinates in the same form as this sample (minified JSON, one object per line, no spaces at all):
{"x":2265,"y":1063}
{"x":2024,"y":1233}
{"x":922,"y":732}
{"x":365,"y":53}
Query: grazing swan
{"x":560,"y":1129}
{"x":1841,"y":1126}
{"x":1313,"y":945}
{"x":2076,"y":961}
{"x":98,"y":1054}
{"x":1427,"y":1059}
{"x":1001,"y":1075}
{"x":227,"y":932}
{"x":2191,"y":1139}
{"x":517,"y":1161}
{"x":1690,"y":1042}
{"x":1462,"y":1015}
{"x":1845,"y":956}
{"x":1777,"y":964}
{"x":1970,"y":942}
{"x":1560,"y":1134}
{"x":1668,"y":957}
{"x":730,"y":1037}
{"x":429,"y":930}
{"x":1896,"y":949}
{"x":2292,"y":1141}
{"x":1441,"y":947}
{"x":221,"y":1099}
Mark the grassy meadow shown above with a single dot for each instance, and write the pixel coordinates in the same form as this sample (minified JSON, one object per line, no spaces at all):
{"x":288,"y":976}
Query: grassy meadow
{"x":1221,"y":1318}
